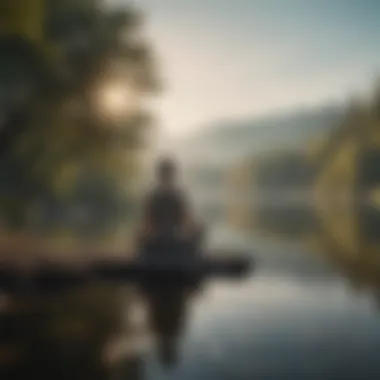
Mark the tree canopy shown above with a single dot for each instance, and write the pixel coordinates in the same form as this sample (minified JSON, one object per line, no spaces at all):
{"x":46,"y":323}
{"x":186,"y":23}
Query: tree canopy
{"x":89,"y":117}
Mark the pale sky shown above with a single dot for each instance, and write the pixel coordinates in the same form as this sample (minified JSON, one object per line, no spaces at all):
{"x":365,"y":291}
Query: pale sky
{"x":231,"y":58}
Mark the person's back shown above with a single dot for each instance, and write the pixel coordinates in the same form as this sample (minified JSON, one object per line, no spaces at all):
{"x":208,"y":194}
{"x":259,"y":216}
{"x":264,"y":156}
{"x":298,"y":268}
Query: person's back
{"x":167,"y":213}
{"x":166,"y":207}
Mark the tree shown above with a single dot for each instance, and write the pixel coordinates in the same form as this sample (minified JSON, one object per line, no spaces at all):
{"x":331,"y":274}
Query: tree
{"x":91,"y":117}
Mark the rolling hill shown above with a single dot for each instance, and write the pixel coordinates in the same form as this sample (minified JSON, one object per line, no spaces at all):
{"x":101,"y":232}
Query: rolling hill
{"x":225,"y":141}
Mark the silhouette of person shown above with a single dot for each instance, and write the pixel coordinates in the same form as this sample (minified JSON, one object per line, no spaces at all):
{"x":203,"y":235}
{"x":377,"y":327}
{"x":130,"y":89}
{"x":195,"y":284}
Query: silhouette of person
{"x":167,"y":208}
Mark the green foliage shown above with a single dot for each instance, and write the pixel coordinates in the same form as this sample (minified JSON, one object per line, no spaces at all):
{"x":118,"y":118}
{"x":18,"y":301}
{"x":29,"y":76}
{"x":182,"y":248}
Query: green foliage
{"x":70,"y":129}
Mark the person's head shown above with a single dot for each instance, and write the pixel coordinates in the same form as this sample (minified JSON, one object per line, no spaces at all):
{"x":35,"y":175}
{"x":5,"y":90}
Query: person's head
{"x":166,"y":171}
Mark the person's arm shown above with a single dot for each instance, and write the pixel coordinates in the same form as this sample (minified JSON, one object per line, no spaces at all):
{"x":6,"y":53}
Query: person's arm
{"x":191,"y":225}
{"x":146,"y":214}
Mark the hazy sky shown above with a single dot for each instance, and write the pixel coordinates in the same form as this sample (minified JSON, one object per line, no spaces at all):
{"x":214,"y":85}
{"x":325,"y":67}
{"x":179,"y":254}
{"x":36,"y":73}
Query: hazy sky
{"x":231,"y":58}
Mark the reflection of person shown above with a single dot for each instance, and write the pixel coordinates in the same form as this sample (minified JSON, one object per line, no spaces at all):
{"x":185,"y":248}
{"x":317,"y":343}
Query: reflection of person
{"x":168,"y":352}
{"x":167,"y":207}
{"x":132,"y":368}
{"x":167,"y":314}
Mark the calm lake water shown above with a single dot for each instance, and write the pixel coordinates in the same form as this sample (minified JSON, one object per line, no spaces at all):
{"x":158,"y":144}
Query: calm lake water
{"x":295,"y":318}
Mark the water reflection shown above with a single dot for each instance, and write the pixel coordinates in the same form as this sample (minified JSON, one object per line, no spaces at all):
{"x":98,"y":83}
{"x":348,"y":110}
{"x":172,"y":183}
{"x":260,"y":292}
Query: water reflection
{"x":289,"y":321}
{"x":61,"y":336}
{"x":167,"y":310}
{"x":358,"y":263}
{"x":279,"y":324}
{"x":90,"y":332}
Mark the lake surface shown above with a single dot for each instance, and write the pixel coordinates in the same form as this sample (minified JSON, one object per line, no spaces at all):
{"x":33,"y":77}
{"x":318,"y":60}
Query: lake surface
{"x":295,"y":318}
{"x":293,"y":321}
